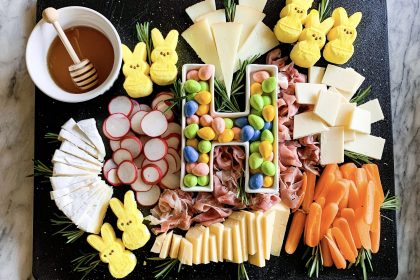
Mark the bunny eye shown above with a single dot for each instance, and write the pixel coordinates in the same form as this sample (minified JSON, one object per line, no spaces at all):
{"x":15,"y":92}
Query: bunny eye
{"x":138,"y":65}
{"x":295,"y":8}
{"x":104,"y":255}
{"x":122,"y":224}
{"x":167,"y":53}
{"x":313,"y":35}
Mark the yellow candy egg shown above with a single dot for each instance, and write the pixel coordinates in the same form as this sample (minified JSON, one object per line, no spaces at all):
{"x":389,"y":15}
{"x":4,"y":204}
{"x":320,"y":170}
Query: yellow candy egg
{"x":226,"y":136}
{"x":256,"y":88}
{"x":192,"y":142}
{"x":268,"y":181}
{"x":202,"y":110}
{"x":204,"y":158}
{"x":269,"y":112}
{"x":265,"y":149}
{"x":203,"y":97}
{"x":206,"y":133}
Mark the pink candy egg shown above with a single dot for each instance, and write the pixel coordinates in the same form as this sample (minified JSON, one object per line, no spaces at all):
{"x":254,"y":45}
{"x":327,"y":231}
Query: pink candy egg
{"x":189,"y":167}
{"x":206,"y":120}
{"x":260,"y":76}
{"x":193,"y":75}
{"x":218,"y":125}
{"x":201,"y":169}
{"x":193,"y":119}
{"x":205,"y":73}
{"x":271,"y":157}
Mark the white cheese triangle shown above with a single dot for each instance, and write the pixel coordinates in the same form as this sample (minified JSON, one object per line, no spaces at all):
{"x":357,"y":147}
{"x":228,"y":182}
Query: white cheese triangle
{"x":200,"y":8}
{"x":249,"y":18}
{"x":60,"y":156}
{"x":88,"y":127}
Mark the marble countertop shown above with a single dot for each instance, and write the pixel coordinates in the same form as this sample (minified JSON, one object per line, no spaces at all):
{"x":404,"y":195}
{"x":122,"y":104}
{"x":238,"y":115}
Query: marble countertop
{"x":17,"y":131}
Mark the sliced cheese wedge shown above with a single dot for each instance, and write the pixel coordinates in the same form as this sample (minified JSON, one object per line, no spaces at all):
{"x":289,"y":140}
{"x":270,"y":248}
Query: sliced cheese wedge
{"x":307,"y":93}
{"x":157,"y":246}
{"x":250,"y":232}
{"x":327,"y":106}
{"x":315,"y":74}
{"x":185,"y":255}
{"x":258,"y":258}
{"x":205,"y":253}
{"x":306,"y":124}
{"x":213,"y":17}
{"x":72,"y":149}
{"x":164,"y":251}
{"x":217,"y":230}
{"x":237,"y":256}
{"x":62,"y":169}
{"x":200,"y":8}
{"x":281,"y":212}
{"x":254,"y":4}
{"x":249,"y":18}
{"x":344,"y":114}
{"x":345,"y":79}
{"x":267,"y":229}
{"x":360,"y":121}
{"x":332,"y":146}
{"x":176,"y":242}
{"x":367,"y":145}
{"x":60,"y":156}
{"x":375,"y":110}
{"x":65,"y":182}
{"x":349,"y":135}
{"x":241,"y":218}
{"x":89,"y":128}
{"x":195,"y":236}
{"x":72,"y":188}
{"x":227,"y":244}
{"x":213,"y":248}
{"x":65,"y":135}
{"x":71,"y":126}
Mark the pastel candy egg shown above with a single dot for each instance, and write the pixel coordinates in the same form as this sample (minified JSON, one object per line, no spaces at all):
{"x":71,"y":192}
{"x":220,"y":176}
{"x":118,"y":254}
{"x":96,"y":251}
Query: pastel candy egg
{"x":256,"y":136}
{"x":269,"y":85}
{"x":268,"y":125}
{"x":203,"y":97}
{"x":204,"y":158}
{"x":203,"y":180}
{"x":190,"y":180}
{"x":241,"y":122}
{"x":192,"y":142}
{"x":268,"y":168}
{"x":205,"y":72}
{"x":191,"y":131}
{"x":193,"y":119}
{"x":268,"y":113}
{"x":201,"y":169}
{"x":254,"y":147}
{"x":270,"y":158}
{"x":189,"y":167}
{"x":256,"y":121}
{"x":190,"y":154}
{"x":267,"y":135}
{"x":265,"y":149}
{"x":228,"y":123}
{"x":193,"y":75}
{"x":255,"y":161}
{"x":236,"y":133}
{"x":218,"y":125}
{"x":256,"y":181}
{"x":204,"y":146}
{"x":268,"y":181}
{"x":190,"y":108}
{"x":206,"y":120}
{"x":266,"y":99}
{"x":246,"y":133}
{"x":256,"y":112}
{"x":192,"y":86}
{"x":202,"y":110}
{"x":254,"y":171}
{"x":260,"y":76}
{"x":191,"y":96}
{"x":256,"y":88}
{"x":257,"y":102}
{"x":206,"y":133}
{"x":226,"y":136}
{"x":204,"y":86}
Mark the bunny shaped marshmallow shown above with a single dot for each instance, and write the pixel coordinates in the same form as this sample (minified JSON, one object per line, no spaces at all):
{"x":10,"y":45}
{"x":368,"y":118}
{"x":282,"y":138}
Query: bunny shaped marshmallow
{"x":130,"y":221}
{"x":164,"y":58}
{"x":312,"y":39}
{"x":292,"y":16}
{"x":121,"y":262}
{"x":136,"y":71}
{"x":340,"y":47}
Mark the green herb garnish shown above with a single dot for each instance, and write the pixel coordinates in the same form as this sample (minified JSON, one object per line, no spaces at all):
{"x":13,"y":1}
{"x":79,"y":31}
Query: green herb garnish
{"x":315,"y":261}
{"x":242,"y":274}
{"x":391,"y":203}
{"x":361,"y":95}
{"x":86,"y":263}
{"x":143,"y":35}
{"x":363,"y":256}
{"x":324,"y":9}
{"x":52,"y":137}
{"x":357,"y":158}
{"x":230,"y":10}
{"x":179,"y":95}
{"x":242,"y":194}
{"x":41,"y":170}
{"x":163,"y":269}
{"x":68,"y":229}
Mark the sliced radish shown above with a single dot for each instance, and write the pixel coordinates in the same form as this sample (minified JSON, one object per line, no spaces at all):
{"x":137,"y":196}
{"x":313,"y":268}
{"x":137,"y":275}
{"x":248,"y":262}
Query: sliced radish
{"x":135,"y":121}
{"x":121,"y":155}
{"x":127,"y":172}
{"x":174,"y":141}
{"x":117,"y":125}
{"x":108,"y":165}
{"x":120,"y":104}
{"x":171,"y":163}
{"x":170,"y":181}
{"x":154,"y":124}
{"x":139,"y":161}
{"x":139,"y":185}
{"x":112,"y":177}
{"x":162,"y":96}
{"x":114,"y":144}
{"x":175,"y":154}
{"x":151,"y":174}
{"x":136,"y":108}
{"x":163,"y":107}
{"x":148,"y":198}
{"x":162,"y":164}
{"x":155,"y":149}
{"x":144,"y":107}
{"x":133,"y":145}
{"x":172,"y":128}
{"x":107,"y":134}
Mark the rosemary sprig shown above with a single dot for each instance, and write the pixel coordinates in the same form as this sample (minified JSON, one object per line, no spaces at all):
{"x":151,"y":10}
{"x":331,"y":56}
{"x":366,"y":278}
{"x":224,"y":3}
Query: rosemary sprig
{"x":357,"y":158}
{"x":179,"y":94}
{"x":324,"y":9}
{"x":41,"y":170}
{"x":242,"y":194}
{"x":66,"y":231}
{"x":86,"y":263}
{"x":242,"y":274}
{"x":163,"y":269}
{"x":391,"y":203}
{"x":363,"y":256}
{"x":230,"y":10}
{"x":361,"y":95}
{"x":315,"y":261}
{"x":52,"y":137}
{"x":143,"y":35}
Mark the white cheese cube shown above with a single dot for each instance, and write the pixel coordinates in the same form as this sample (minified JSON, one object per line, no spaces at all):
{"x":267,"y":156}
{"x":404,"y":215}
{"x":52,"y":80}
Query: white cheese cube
{"x":327,"y":106}
{"x":332,"y":146}
{"x":217,"y":230}
{"x":360,"y":121}
{"x":344,"y":114}
{"x":213,"y":248}
{"x":185,"y":252}
{"x":164,"y":251}
{"x":255,"y":4}
{"x":307,"y":93}
{"x":375,"y":110}
{"x":175,"y":244}
{"x":200,"y":8}
{"x":367,"y":145}
{"x":343,"y":79}
{"x":195,"y":236}
{"x":306,"y":124}
{"x":315,"y":74}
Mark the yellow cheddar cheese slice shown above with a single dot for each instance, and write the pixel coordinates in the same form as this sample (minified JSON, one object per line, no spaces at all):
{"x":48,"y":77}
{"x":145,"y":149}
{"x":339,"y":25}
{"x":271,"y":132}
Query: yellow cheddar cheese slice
{"x":217,"y":230}
{"x":166,"y":245}
{"x":227,"y":244}
{"x":205,"y":247}
{"x":213,"y":248}
{"x":157,"y":246}
{"x":267,"y":230}
{"x":195,"y":236}
{"x":176,"y":242}
{"x":258,"y":258}
{"x":250,"y":232}
{"x":236,"y":240}
{"x":241,"y":218}
{"x":185,"y":255}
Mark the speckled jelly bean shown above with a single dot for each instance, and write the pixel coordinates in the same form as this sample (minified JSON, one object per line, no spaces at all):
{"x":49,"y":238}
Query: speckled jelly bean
{"x":189,"y":167}
{"x":256,"y":181}
{"x":190,"y":180}
{"x":204,"y":146}
{"x":191,"y":96}
{"x":204,"y":158}
{"x":268,"y":181}
{"x":202,"y":110}
{"x":260,"y":76}
{"x":255,"y":161}
{"x":268,"y":125}
{"x":203,"y":180}
{"x":193,"y":119}
{"x":254,"y":147}
{"x":204,"y":86}
{"x":218,"y":125}
{"x":193,"y":75}
{"x":228,"y":122}
{"x":190,"y":108}
{"x":241,"y":122}
{"x":236,"y":133}
{"x":203,"y":97}
{"x":267,"y":135}
{"x":266,"y":99}
{"x":192,"y":142}
{"x":190,"y":154}
{"x":205,"y":72}
{"x":256,"y":89}
{"x":265,"y":149}
{"x":256,"y":121}
{"x":268,"y":168}
{"x":206,"y":120}
{"x":256,"y":136}
{"x":206,"y":133}
{"x":201,"y":169}
{"x":256,"y":112}
{"x":268,"y":113}
{"x":246,"y":133}
{"x":257,"y":102}
{"x":191,"y":131}
{"x":269,"y":85}
{"x":192,"y":86}
{"x":227,"y":136}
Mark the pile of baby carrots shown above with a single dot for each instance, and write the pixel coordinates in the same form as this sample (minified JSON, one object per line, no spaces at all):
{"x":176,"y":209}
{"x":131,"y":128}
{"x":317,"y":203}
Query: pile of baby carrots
{"x":340,"y":212}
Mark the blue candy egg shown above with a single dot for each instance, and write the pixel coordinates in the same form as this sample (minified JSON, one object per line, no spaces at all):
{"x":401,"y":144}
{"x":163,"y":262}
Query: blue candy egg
{"x":256,"y":181}
{"x":247,"y":132}
{"x":241,"y":122}
{"x":190,"y":154}
{"x":268,"y":125}
{"x":256,"y":136}
{"x":190,"y":108}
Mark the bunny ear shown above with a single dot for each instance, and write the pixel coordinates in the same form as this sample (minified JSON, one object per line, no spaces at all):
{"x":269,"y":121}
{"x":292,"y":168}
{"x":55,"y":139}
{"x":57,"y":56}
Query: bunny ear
{"x":172,"y":39}
{"x":327,"y":24}
{"x":308,"y":3}
{"x":340,"y":16}
{"x":157,"y":38}
{"x":117,"y":207}
{"x":355,"y":19}
{"x":127,"y":54}
{"x":108,"y":233}
{"x":312,"y":19}
{"x":129,"y":201}
{"x":140,"y":51}
{"x":96,"y":242}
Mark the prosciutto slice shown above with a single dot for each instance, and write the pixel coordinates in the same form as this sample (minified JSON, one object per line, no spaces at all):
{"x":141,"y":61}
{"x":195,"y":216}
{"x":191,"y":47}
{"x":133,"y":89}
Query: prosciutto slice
{"x":211,"y":211}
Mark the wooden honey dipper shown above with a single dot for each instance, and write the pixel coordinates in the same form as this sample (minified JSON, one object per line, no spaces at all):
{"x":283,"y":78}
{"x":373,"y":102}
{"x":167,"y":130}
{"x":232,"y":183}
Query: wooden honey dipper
{"x":82,"y":72}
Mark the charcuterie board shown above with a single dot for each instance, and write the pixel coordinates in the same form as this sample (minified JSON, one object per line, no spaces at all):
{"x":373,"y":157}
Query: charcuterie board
{"x":52,"y":256}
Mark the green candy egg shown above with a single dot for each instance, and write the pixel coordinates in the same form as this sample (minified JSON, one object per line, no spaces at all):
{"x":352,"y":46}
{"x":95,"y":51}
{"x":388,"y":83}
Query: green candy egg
{"x":269,"y":85}
{"x":255,"y":161}
{"x":228,"y":123}
{"x":257,"y":102}
{"x":256,"y":121}
{"x":254,"y":147}
{"x":190,"y":180}
{"x":255,"y":112}
{"x":203,"y":180}
{"x":266,"y":99}
{"x":204,"y":146}
{"x":191,"y":131}
{"x":267,"y":135}
{"x":191,"y":96}
{"x":192,"y":86}
{"x":204,"y":86}
{"x":268,"y":168}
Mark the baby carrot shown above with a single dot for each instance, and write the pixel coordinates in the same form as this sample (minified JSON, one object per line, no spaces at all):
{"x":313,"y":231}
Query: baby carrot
{"x":376,"y":222}
{"x":336,"y":191}
{"x":348,"y":214}
{"x":343,"y":245}
{"x":336,"y":255}
{"x":320,"y":185}
{"x":295,"y":232}
{"x":338,"y":174}
{"x":361,"y":181}
{"x":328,"y":215}
{"x":363,"y":229}
{"x":302,"y":191}
{"x":310,"y":189}
{"x":368,"y":203}
{"x":343,"y":225}
{"x":313,"y":224}
{"x":375,"y":236}
{"x":354,"y":200}
{"x":321,"y":201}
{"x":348,"y":169}
{"x":373,"y":173}
{"x":328,"y":183}
{"x":345,"y":200}
{"x":326,"y":254}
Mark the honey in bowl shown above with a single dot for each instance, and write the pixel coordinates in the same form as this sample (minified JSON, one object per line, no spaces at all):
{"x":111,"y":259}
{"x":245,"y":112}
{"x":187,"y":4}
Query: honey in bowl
{"x":88,"y":43}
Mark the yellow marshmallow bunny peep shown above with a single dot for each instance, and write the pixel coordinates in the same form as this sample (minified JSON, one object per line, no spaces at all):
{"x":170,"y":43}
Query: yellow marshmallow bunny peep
{"x":312,"y":39}
{"x":164,"y":58}
{"x":136,"y":71}
{"x":340,"y":47}
{"x":121,"y":262}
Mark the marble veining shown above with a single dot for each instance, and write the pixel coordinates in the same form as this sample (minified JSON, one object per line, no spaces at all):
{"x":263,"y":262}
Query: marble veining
{"x":16,"y":134}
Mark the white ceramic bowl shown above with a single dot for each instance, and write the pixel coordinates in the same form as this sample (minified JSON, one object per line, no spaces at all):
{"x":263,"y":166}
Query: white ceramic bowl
{"x":41,"y":39}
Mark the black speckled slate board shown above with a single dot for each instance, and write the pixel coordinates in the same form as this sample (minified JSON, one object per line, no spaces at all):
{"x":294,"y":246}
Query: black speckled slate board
{"x":52,"y":256}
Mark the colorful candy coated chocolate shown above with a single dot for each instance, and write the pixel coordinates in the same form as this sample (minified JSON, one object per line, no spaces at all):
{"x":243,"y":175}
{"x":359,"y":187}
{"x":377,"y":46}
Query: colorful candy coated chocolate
{"x":204,"y":146}
{"x":190,"y":108}
{"x":227,"y":136}
{"x":201,"y":169}
{"x":205,"y":72}
{"x":228,"y":122}
{"x":193,"y":119}
{"x":265,"y":149}
{"x":190,"y":180}
{"x":203,"y":97}
{"x":268,"y":125}
{"x":246,"y":133}
{"x":193,"y":75}
{"x":204,"y":158}
{"x":189,"y":167}
{"x":241,"y":122}
{"x":268,"y":168}
{"x":268,"y":113}
{"x":254,"y":147}
{"x":267,"y":135}
{"x":218,"y":125}
{"x":257,"y":102}
{"x":203,"y":180}
{"x":256,"y":136}
{"x":206,"y":120}
{"x":256,"y":88}
{"x":191,"y":131}
{"x":269,"y":85}
{"x":202,"y":110}
{"x":255,"y":161}
{"x":256,"y":181}
{"x":256,"y":121}
{"x":260,"y":76}
{"x":192,"y":86}
{"x":268,"y":181}
{"x":206,"y":133}
{"x":192,"y":142}
{"x":190,"y":154}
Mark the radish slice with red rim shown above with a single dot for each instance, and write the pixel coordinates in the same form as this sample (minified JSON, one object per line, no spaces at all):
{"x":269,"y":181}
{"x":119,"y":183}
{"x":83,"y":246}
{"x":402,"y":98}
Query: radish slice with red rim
{"x":172,"y":128}
{"x":112,"y":177}
{"x":144,"y":107}
{"x":108,"y":165}
{"x":163,"y":107}
{"x":148,"y":198}
{"x":155,"y":149}
{"x":171,"y":163}
{"x":135,"y":121}
{"x":170,"y":181}
{"x":151,"y":174}
{"x":162,"y":164}
{"x":174,"y":141}
{"x":121,"y":155}
{"x":120,"y":104}
{"x":107,"y":134}
{"x":139,"y":161}
{"x":133,"y":145}
{"x":139,"y":185}
{"x":162,"y":96}
{"x":127,"y":172}
{"x":136,"y":108}
{"x":117,"y":125}
{"x":177,"y":158}
{"x":115,"y":144}
{"x":154,"y":124}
